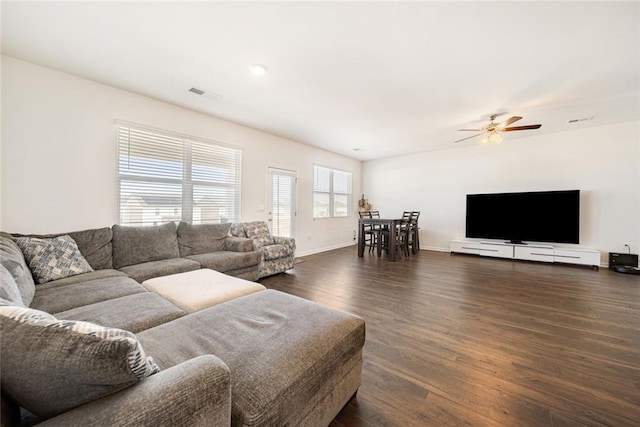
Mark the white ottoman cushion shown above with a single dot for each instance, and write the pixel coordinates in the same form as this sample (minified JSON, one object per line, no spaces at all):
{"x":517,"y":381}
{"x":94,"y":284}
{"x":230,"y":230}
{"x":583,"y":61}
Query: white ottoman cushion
{"x":198,"y":289}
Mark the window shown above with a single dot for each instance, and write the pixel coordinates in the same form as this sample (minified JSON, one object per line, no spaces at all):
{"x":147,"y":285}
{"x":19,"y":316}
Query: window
{"x":164,"y":177}
{"x":331,"y":193}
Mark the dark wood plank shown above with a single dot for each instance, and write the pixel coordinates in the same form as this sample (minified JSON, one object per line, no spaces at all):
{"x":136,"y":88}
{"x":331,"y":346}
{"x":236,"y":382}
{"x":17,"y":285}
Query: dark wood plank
{"x":472,"y":341}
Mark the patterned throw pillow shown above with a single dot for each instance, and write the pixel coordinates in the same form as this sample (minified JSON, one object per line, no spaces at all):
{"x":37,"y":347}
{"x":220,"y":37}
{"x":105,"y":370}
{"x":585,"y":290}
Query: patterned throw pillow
{"x":52,"y":259}
{"x":259,"y":232}
{"x":51,"y":365}
{"x":237,"y":230}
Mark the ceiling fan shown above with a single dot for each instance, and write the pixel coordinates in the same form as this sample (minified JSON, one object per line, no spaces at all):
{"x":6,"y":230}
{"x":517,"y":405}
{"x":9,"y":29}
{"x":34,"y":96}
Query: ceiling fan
{"x":491,"y":131}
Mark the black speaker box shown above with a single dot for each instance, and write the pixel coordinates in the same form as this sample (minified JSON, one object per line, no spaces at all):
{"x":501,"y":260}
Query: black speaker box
{"x":616,"y":259}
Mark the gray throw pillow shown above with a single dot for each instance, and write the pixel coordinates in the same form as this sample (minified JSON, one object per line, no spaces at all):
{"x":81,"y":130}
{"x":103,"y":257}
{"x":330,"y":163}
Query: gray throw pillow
{"x":53,"y":259}
{"x":12,"y":259}
{"x":201,"y":238}
{"x":50,"y":366}
{"x":135,"y":245}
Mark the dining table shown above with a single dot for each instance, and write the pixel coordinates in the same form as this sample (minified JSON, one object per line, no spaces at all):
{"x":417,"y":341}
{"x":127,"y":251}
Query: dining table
{"x":389,"y":224}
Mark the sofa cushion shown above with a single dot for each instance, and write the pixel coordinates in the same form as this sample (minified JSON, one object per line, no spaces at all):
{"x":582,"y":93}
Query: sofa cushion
{"x":148,"y":270}
{"x":133,"y":313}
{"x":280,"y":349}
{"x":135,"y":245}
{"x":94,"y":244}
{"x":52,"y":259}
{"x":50,"y":366}
{"x":238,"y":244}
{"x":223,"y":261}
{"x":8,"y":288}
{"x":62,"y":298}
{"x":201,"y":238}
{"x":81,"y":278}
{"x":270,"y":252}
{"x":12,"y":259}
{"x":259,"y":232}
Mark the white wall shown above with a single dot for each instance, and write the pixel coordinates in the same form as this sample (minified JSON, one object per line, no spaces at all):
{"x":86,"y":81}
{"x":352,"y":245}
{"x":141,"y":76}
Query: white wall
{"x":59,"y":156}
{"x":602,"y":162}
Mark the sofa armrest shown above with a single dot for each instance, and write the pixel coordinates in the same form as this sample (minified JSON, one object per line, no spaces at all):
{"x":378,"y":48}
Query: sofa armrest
{"x":194,"y":393}
{"x":288,"y":241}
{"x":238,"y":244}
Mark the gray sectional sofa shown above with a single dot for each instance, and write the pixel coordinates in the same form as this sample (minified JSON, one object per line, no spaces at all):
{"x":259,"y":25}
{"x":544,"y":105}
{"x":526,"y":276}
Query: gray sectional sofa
{"x":268,"y":358}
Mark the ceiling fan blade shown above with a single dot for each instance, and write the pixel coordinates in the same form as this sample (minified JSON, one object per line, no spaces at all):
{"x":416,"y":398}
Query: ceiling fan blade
{"x":469,"y":137}
{"x":474,"y":130}
{"x":512,"y":128}
{"x":509,"y":121}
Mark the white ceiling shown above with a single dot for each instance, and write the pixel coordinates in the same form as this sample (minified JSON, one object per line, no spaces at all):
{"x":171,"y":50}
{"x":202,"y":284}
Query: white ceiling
{"x":387,"y":78}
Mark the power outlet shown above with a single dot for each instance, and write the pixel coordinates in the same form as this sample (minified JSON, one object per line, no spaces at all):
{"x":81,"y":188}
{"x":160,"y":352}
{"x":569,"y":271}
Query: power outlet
{"x":354,"y":235}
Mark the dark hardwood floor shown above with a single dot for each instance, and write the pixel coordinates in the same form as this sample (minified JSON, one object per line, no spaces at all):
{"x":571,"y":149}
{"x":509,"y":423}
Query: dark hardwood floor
{"x":473,"y":341}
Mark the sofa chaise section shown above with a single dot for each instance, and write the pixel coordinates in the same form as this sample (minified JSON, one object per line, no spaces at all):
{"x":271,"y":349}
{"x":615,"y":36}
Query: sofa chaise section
{"x":292,"y":361}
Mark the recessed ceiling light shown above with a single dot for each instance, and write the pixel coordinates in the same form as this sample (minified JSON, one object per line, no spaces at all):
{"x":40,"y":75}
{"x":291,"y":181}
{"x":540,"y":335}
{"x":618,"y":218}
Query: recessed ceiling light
{"x":258,"y":69}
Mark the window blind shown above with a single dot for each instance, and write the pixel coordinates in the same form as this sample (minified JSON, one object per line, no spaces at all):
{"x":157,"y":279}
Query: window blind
{"x":164,"y":177}
{"x":331,"y":192}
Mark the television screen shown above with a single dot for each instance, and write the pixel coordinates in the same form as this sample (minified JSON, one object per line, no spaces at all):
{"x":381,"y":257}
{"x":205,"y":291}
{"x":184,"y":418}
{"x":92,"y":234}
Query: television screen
{"x":542,"y":216}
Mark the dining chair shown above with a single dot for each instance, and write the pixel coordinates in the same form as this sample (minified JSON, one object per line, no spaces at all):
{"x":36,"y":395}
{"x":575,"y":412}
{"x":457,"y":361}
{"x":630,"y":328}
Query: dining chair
{"x":370,"y":234}
{"x":414,"y":235}
{"x":402,"y":239}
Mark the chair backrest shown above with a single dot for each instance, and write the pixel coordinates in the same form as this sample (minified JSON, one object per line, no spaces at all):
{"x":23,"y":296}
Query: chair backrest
{"x":365,"y":214}
{"x":375,"y":214}
{"x":413,"y":219}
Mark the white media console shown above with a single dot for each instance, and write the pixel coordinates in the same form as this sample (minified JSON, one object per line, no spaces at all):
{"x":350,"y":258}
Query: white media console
{"x":529,"y":252}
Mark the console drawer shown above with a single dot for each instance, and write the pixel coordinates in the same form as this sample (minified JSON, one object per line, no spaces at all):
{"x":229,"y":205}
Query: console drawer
{"x":532,"y":253}
{"x":496,"y":250}
{"x":465,"y":247}
{"x":571,"y":256}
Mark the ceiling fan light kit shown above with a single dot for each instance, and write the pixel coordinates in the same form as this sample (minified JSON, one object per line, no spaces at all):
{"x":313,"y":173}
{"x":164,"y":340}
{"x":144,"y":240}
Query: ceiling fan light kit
{"x":491,"y":132}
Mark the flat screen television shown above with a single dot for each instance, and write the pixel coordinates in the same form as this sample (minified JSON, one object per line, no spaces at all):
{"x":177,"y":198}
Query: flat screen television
{"x":540,"y":216}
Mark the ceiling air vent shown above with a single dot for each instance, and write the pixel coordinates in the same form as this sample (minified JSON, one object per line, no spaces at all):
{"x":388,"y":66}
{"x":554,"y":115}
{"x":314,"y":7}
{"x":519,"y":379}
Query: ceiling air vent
{"x":583,"y":119}
{"x":196,"y":91}
{"x":206,"y":93}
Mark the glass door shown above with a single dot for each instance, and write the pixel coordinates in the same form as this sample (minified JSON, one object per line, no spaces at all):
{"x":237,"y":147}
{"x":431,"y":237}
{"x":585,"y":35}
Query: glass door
{"x":282,"y":202}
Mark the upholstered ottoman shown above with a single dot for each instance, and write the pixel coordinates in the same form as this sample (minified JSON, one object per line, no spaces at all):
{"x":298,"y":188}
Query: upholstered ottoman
{"x":198,"y":289}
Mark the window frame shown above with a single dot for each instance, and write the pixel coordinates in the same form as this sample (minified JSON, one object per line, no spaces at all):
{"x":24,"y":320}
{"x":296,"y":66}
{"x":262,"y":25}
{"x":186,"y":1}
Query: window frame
{"x":187,"y":182}
{"x":332,"y":193}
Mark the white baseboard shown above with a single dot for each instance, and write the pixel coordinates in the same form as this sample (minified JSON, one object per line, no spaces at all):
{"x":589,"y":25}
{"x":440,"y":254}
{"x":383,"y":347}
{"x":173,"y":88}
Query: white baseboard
{"x":328,"y":248}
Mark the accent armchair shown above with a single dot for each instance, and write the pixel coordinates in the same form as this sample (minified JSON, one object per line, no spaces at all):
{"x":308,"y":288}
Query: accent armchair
{"x":277,"y":252}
